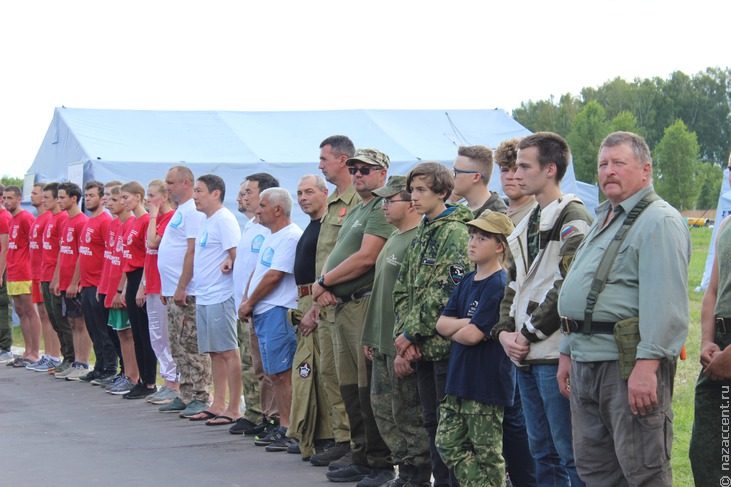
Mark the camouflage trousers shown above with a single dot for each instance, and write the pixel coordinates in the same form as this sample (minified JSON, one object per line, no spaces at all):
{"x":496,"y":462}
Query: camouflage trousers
{"x":397,"y":409}
{"x":470,"y":441}
{"x":709,"y":443}
{"x":310,"y":412}
{"x":252,"y":397}
{"x":194,"y":368}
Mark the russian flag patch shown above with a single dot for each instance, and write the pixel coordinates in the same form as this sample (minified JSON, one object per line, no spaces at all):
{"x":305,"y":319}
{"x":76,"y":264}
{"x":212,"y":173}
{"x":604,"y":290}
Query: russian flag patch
{"x":568,"y":231}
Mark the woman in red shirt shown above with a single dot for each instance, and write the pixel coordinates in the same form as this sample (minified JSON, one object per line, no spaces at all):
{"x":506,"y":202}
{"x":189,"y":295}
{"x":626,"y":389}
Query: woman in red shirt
{"x":161,"y":211}
{"x":133,"y":199}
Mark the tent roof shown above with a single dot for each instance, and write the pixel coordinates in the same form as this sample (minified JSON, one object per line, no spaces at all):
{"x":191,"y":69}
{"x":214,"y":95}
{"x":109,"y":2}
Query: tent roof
{"x":273,"y":137}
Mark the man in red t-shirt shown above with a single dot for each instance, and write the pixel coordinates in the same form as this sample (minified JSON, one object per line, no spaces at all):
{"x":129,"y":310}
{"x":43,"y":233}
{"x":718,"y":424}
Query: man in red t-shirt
{"x":51,"y":345}
{"x":91,"y":262}
{"x":67,"y":277}
{"x":52,"y":302}
{"x":19,"y":276}
{"x":6,"y":329}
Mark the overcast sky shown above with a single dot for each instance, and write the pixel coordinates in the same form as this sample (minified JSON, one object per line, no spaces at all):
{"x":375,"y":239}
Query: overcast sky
{"x":310,"y":55}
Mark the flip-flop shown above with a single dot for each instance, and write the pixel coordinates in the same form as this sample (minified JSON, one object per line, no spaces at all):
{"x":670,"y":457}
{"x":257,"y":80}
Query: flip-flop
{"x":22,"y":362}
{"x":213,"y":422}
{"x":207,"y":415}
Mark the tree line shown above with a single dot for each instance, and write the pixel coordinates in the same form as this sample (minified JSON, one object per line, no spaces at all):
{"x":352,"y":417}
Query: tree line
{"x":686,"y":121}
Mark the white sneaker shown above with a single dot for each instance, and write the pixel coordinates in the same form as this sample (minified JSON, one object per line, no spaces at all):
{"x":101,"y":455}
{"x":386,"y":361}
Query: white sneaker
{"x":77,"y":372}
{"x":6,"y":357}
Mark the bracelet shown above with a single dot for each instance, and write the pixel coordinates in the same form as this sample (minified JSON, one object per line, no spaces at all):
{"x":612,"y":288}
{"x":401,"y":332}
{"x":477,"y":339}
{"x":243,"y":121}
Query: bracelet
{"x":120,"y":291}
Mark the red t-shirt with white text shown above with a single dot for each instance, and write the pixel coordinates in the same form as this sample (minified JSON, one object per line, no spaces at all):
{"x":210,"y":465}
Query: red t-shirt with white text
{"x":116,"y":261}
{"x":92,"y":241}
{"x":51,"y":241}
{"x":108,"y":246}
{"x":135,"y":243}
{"x":18,"y":258}
{"x":36,"y":245}
{"x":69,"y":251}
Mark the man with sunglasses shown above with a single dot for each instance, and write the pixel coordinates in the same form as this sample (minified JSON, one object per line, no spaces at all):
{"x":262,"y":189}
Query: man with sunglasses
{"x":472,"y":170}
{"x":346,"y":282}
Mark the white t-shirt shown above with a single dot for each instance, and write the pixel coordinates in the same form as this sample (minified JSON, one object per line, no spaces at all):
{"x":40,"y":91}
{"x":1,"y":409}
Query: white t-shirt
{"x":247,"y":254}
{"x":277,"y":253}
{"x":216,"y":235}
{"x":182,"y":226}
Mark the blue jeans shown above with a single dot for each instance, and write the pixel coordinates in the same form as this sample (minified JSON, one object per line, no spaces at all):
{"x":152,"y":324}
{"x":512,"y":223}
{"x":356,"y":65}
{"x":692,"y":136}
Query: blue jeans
{"x":548,"y":422}
{"x":520,"y":463}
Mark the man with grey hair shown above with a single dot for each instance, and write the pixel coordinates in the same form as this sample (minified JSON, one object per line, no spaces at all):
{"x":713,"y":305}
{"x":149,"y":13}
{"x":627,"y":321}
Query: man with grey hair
{"x":270,"y":295}
{"x":625,"y":315}
{"x":310,"y":413}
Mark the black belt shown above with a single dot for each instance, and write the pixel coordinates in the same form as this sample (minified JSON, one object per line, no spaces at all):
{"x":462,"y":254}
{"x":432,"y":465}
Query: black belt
{"x":723,"y":325}
{"x":577,"y":326}
{"x":355,"y":296}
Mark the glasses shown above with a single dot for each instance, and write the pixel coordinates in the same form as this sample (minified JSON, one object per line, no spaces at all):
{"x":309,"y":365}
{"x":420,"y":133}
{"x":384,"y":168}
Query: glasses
{"x":365,"y":171}
{"x":464,"y":171}
{"x":386,"y":202}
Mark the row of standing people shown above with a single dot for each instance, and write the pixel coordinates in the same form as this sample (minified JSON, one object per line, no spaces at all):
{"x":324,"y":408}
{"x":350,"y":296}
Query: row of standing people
{"x":366,"y":342}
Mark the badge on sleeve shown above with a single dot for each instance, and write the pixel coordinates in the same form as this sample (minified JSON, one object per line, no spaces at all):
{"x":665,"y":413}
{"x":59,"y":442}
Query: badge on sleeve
{"x":456,"y":273}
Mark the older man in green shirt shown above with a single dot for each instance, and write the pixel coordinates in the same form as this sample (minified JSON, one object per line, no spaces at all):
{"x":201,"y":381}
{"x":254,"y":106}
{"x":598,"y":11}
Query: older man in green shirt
{"x":623,"y":427}
{"x":346,"y":281}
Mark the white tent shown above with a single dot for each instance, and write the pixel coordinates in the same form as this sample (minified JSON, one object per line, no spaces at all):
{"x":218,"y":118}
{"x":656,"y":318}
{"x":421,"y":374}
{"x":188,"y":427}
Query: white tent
{"x":83,"y":145}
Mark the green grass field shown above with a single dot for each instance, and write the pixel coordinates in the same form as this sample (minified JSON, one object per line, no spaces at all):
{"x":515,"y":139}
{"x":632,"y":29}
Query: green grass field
{"x":687,"y":371}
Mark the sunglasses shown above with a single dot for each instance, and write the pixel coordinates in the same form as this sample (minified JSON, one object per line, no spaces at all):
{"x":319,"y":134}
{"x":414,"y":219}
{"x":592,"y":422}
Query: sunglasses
{"x":365,"y":171}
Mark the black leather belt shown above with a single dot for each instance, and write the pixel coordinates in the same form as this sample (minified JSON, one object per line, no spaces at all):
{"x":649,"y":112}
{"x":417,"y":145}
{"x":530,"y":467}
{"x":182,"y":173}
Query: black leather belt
{"x":722,"y":325}
{"x":577,"y":326}
{"x":355,"y":296}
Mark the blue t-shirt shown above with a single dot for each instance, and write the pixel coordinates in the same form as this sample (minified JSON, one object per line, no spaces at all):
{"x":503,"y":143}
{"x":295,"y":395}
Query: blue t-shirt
{"x":480,"y":372}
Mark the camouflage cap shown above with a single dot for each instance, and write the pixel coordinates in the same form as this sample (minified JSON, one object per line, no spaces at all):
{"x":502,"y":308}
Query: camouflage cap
{"x":394,"y":186}
{"x":493,"y":222}
{"x":369,"y":156}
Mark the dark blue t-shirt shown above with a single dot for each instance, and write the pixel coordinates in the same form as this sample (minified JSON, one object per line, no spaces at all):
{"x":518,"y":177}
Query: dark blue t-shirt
{"x":480,"y":372}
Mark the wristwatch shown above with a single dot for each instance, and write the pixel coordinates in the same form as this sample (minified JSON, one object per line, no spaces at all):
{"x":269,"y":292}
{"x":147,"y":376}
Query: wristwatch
{"x":321,"y":282}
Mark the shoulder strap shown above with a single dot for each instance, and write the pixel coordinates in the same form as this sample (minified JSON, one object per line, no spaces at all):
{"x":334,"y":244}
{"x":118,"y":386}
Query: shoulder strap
{"x":605,"y":265}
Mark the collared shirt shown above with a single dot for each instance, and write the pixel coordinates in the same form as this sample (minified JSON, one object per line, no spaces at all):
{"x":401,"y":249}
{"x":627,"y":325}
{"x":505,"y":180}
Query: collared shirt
{"x":649,"y":280}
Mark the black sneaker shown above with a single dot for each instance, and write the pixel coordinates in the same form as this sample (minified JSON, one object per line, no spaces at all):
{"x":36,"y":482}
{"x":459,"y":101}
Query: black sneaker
{"x":241,"y":425}
{"x":353,"y":473}
{"x":140,"y":391}
{"x":274,"y":434}
{"x":333,"y":452}
{"x":94,"y":374}
{"x":261,"y":429}
{"x":103,"y":379}
{"x":282,"y":444}
{"x":378,"y":478}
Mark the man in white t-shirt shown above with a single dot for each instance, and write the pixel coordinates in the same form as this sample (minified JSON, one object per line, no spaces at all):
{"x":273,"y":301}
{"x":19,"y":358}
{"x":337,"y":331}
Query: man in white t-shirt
{"x":178,"y":293}
{"x":271,"y":293}
{"x":261,"y":412}
{"x":215,"y":252}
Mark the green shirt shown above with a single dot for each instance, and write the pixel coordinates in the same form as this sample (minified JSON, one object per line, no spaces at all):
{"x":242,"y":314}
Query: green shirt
{"x":338,"y":207}
{"x":362,"y":220}
{"x":378,"y":330}
{"x":649,"y":280}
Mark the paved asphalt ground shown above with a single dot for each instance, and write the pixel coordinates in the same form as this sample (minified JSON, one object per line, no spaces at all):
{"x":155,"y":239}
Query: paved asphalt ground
{"x":61,"y":433}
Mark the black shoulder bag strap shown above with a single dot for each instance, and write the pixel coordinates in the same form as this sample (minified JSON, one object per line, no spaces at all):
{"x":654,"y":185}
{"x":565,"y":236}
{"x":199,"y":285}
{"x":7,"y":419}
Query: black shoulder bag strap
{"x":605,"y":265}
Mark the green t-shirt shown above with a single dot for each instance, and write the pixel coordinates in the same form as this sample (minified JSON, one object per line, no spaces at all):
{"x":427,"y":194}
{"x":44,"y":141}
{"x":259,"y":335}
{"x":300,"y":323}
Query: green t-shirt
{"x":380,"y":318}
{"x":362,"y":220}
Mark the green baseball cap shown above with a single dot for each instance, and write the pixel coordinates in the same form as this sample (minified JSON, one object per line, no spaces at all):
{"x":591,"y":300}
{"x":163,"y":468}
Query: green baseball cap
{"x":395,"y":185}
